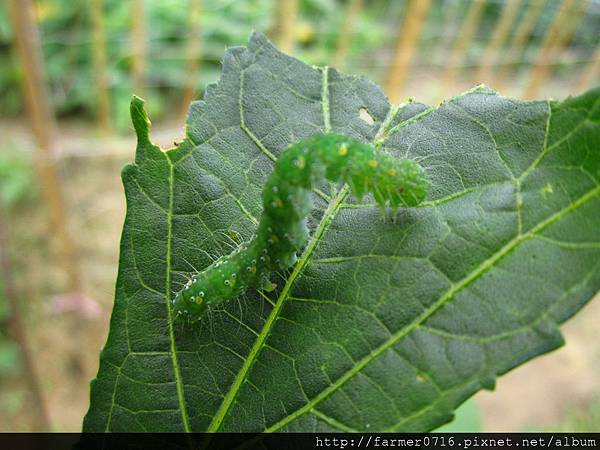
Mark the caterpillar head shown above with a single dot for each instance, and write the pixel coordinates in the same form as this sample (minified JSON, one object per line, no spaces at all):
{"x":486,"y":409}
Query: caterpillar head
{"x":410,"y":183}
{"x":401,"y":183}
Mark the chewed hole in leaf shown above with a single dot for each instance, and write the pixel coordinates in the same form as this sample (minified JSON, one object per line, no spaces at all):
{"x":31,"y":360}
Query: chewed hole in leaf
{"x":365,"y":116}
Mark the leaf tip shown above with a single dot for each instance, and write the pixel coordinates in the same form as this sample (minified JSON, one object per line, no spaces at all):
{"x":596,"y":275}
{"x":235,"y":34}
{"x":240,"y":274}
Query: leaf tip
{"x":257,"y":36}
{"x":140,"y":120}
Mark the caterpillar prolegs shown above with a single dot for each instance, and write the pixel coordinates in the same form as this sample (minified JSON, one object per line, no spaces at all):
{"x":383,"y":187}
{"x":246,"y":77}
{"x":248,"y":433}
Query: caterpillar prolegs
{"x":282,"y":230}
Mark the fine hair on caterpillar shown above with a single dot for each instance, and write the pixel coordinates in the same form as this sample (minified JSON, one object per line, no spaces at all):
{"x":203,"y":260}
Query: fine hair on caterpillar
{"x":282,"y":230}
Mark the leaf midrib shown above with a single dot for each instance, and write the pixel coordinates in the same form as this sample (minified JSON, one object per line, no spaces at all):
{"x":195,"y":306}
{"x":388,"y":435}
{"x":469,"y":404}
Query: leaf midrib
{"x":173,"y":348}
{"x":334,"y":206}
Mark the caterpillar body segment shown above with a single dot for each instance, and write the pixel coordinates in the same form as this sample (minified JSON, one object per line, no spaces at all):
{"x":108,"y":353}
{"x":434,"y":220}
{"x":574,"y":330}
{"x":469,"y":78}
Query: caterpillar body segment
{"x":286,"y":198}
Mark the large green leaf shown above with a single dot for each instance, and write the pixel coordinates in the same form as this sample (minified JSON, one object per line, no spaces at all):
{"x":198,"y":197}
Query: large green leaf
{"x":383,"y":324}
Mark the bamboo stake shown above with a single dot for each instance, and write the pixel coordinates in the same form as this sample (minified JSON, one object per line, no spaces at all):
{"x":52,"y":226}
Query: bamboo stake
{"x":499,"y":36}
{"x":406,"y":46}
{"x":573,"y":22}
{"x":343,"y":44}
{"x":526,"y":27}
{"x":100,"y":64}
{"x":453,"y":12}
{"x":39,"y":407}
{"x":138,"y":31}
{"x":194,"y":49}
{"x":554,"y":38}
{"x":520,"y":41}
{"x":459,"y":50}
{"x":27,"y":42}
{"x":592,"y":72}
{"x":287,"y":11}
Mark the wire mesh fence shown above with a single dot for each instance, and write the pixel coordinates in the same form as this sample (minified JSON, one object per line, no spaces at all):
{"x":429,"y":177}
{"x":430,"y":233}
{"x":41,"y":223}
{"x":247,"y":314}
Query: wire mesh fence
{"x":97,"y":53}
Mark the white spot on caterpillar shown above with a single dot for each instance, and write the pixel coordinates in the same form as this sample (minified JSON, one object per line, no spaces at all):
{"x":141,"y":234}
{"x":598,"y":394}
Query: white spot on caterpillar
{"x":227,"y":282}
{"x":233,"y":275}
{"x":201,"y":294}
{"x":275,"y":189}
{"x":363,"y":113}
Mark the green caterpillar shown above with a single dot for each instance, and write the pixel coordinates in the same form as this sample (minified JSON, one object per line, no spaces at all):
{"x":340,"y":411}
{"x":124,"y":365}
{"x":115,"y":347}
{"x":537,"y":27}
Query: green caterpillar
{"x":282,"y":230}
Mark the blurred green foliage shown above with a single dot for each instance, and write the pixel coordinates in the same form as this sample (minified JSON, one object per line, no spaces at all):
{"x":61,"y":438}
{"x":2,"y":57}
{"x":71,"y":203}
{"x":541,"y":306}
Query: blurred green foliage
{"x":467,"y":419}
{"x":582,"y":419}
{"x":17,"y":185}
{"x":17,"y":181}
{"x":10,"y":361}
{"x":11,"y":400}
{"x":66,"y":32}
{"x":65,"y":28}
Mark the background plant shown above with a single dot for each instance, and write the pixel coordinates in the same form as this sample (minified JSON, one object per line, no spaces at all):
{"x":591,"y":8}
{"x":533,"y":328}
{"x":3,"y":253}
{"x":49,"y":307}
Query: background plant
{"x":67,"y":45}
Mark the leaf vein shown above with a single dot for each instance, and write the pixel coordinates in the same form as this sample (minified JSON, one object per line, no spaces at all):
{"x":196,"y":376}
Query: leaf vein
{"x":474,"y":275}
